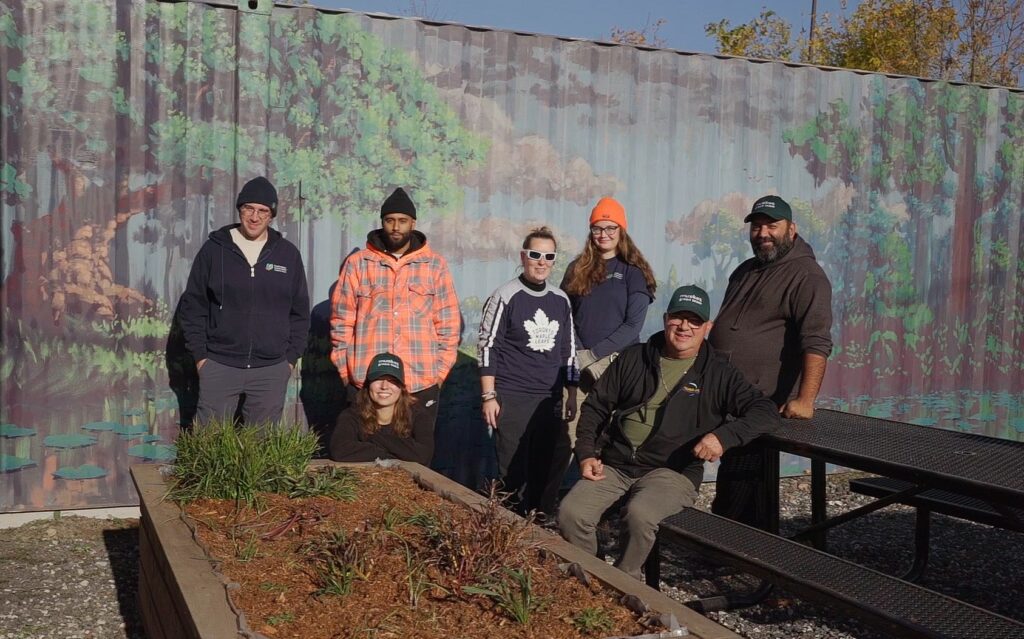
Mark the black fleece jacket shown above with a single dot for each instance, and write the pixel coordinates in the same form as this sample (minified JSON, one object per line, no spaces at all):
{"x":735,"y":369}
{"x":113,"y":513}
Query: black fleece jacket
{"x":242,"y":316}
{"x":349,"y":444}
{"x":702,"y":402}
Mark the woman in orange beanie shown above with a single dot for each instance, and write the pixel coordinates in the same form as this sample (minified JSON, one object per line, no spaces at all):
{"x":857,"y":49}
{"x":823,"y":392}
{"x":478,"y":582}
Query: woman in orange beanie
{"x":610,"y":285}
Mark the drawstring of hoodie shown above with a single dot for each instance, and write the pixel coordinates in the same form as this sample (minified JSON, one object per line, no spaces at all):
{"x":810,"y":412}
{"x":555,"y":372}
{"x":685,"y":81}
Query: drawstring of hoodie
{"x":221,"y":306}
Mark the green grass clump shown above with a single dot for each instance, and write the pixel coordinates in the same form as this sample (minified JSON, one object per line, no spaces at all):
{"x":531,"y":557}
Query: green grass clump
{"x":513,"y":594}
{"x":593,"y":621}
{"x":223,"y":461}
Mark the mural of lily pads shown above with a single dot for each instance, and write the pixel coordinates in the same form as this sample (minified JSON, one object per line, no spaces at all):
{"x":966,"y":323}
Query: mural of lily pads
{"x":69,"y":441}
{"x":883,"y":411}
{"x":149,"y":439}
{"x":11,"y":431}
{"x":924,"y":421}
{"x":153,"y":452}
{"x":1018,"y":424}
{"x":10,"y":463}
{"x":131,"y":431}
{"x":85,"y":471}
{"x":134,"y":412}
{"x":100,"y":426}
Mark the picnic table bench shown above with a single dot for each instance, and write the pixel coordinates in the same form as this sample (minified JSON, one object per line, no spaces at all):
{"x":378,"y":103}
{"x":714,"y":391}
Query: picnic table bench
{"x":962,"y":465}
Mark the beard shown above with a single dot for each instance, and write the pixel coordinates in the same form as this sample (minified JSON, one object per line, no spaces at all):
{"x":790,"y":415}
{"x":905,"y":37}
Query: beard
{"x":766,"y":254}
{"x":392,"y":244}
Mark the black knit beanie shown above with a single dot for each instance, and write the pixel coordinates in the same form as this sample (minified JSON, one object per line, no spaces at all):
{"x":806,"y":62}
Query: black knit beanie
{"x":258,"y":191}
{"x":398,"y":202}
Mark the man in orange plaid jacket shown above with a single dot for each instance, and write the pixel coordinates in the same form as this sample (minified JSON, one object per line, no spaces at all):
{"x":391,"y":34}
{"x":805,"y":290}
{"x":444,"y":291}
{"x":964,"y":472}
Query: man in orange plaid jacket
{"x":396,"y":295}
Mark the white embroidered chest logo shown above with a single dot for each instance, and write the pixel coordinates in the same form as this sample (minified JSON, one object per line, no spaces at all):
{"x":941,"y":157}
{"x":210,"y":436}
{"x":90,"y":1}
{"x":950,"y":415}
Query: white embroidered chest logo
{"x":542,"y":332}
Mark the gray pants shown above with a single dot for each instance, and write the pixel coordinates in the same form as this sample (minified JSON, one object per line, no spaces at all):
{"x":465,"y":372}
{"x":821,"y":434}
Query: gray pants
{"x":653,"y":497}
{"x":221,"y":386}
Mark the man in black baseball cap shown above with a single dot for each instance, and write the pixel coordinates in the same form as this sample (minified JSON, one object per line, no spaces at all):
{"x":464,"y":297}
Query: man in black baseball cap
{"x":245,"y":312}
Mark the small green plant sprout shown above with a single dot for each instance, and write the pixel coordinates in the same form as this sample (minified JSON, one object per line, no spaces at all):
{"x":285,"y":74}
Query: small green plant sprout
{"x":337,"y":563}
{"x":593,"y":621}
{"x":513,"y":594}
{"x":248,"y":549}
{"x":281,"y":618}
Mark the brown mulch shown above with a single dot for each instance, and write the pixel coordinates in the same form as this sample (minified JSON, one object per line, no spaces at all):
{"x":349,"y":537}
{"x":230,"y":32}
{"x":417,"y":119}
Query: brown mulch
{"x":265,"y":552}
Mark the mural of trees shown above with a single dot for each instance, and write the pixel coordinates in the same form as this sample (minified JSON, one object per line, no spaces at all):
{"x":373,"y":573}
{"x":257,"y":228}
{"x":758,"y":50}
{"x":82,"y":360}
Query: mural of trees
{"x":127,"y":127}
{"x":927,"y":273}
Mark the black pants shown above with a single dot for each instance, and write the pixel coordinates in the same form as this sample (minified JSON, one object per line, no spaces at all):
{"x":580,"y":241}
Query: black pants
{"x":533,"y":450}
{"x":739,"y":482}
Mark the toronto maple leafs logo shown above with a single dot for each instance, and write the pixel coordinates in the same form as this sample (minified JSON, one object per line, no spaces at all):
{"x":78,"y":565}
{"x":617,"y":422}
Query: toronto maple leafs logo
{"x":542,"y":331}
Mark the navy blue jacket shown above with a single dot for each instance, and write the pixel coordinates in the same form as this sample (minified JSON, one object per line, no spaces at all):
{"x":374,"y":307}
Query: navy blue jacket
{"x":242,"y":316}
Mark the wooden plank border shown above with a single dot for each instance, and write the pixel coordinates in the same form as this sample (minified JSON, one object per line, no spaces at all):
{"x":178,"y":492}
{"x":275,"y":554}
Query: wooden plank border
{"x":181,"y":596}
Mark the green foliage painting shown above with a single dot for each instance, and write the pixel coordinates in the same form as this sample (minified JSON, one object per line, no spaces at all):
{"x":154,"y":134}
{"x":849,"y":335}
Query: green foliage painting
{"x":127,"y":127}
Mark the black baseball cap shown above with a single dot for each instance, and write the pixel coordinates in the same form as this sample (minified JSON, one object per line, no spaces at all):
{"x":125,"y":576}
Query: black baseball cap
{"x":385,"y":365}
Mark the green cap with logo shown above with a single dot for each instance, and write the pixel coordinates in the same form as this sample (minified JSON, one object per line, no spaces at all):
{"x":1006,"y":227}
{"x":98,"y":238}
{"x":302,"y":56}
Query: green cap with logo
{"x":773,"y":206}
{"x":385,"y":365}
{"x":690,"y":298}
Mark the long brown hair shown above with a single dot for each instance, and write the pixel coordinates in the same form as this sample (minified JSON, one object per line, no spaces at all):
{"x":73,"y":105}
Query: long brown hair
{"x":401,"y":420}
{"x":588,"y":271}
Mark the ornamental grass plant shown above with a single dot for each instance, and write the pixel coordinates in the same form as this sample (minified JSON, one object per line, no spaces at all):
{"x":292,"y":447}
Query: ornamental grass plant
{"x":224,"y":461}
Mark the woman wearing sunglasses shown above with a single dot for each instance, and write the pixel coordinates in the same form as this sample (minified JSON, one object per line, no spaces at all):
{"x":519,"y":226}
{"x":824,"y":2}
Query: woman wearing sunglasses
{"x":527,"y":356}
{"x":381,"y":424}
{"x":610,"y":286}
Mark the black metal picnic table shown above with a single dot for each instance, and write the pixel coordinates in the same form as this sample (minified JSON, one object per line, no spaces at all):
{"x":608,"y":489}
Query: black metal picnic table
{"x":968,"y":464}
{"x":927,"y":459}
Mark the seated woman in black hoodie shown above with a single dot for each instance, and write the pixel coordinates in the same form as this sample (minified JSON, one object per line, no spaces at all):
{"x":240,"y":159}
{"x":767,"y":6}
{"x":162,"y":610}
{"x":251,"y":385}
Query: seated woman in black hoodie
{"x":382,"y":424}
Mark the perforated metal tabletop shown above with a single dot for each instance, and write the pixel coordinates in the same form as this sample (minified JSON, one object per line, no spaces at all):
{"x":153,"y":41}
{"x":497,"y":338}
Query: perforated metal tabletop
{"x":985,"y":467}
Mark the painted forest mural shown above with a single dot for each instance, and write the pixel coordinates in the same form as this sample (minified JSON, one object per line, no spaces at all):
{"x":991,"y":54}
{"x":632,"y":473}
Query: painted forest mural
{"x":129,"y":125}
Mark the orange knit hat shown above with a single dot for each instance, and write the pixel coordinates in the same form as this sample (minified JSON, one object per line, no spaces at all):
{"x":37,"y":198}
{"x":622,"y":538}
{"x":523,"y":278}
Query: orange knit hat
{"x":609,"y":209}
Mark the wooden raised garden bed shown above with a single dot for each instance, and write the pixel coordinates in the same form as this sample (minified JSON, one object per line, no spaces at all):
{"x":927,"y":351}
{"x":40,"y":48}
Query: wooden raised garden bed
{"x":182,"y":596}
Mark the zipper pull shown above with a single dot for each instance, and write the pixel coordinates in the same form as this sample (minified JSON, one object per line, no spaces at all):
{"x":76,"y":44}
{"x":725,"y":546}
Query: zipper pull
{"x":252,"y":271}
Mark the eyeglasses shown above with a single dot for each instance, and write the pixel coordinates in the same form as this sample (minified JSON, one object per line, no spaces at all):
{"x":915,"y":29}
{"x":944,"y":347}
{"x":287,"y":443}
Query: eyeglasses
{"x":689,"y":320}
{"x":249,"y":209}
{"x":598,"y":231}
{"x":537,"y":255}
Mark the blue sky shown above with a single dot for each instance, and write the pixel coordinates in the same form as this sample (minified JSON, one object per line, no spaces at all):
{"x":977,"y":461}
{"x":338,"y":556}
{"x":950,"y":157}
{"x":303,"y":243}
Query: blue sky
{"x":593,"y":19}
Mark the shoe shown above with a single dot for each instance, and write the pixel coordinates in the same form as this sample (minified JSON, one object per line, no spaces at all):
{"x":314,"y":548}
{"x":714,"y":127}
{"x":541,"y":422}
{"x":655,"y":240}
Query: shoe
{"x":546,"y":521}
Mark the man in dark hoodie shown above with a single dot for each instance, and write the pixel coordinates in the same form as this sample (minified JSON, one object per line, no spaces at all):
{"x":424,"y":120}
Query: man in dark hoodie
{"x":397,"y":296}
{"x":245,"y":312}
{"x":774,"y":326}
{"x":652,"y":420}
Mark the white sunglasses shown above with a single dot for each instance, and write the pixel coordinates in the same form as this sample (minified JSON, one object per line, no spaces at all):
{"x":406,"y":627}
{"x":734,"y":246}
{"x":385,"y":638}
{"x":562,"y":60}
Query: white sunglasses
{"x":537,"y":255}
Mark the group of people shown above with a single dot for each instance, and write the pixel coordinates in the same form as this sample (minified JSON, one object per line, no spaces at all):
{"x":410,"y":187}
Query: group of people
{"x":562,"y":368}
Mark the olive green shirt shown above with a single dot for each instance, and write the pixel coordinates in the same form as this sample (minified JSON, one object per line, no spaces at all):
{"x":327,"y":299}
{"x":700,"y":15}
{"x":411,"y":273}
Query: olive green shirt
{"x":637,"y":426}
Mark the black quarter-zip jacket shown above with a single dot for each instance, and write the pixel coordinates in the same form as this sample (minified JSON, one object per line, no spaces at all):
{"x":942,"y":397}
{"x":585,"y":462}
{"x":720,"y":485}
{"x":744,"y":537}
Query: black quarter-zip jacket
{"x":242,"y":316}
{"x":712,"y":397}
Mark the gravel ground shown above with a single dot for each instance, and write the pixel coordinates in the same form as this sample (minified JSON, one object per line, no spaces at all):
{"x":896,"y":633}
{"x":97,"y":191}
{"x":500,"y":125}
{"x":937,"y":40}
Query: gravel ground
{"x":75,"y":577}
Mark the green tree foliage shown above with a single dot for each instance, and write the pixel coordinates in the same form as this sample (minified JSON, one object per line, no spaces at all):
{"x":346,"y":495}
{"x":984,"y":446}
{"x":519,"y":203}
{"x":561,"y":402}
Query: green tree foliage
{"x":961,"y":40}
{"x":766,"y":36}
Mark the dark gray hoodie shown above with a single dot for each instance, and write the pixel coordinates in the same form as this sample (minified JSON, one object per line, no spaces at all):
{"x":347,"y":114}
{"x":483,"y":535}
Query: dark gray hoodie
{"x":771,"y":315}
